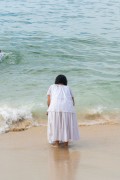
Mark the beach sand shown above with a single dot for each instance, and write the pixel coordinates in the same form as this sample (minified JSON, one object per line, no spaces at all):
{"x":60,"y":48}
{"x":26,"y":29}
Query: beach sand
{"x":26,"y":155}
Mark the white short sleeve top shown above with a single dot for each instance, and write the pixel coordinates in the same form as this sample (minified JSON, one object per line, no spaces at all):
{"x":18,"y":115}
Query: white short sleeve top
{"x":61,"y":98}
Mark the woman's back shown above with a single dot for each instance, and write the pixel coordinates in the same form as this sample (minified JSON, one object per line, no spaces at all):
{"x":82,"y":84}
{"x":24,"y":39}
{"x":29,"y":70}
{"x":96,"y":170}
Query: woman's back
{"x":61,"y":98}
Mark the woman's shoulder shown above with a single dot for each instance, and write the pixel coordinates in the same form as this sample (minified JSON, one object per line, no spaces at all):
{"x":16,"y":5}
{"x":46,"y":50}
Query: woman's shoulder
{"x":51,"y":86}
{"x":67,"y":87}
{"x":59,"y":85}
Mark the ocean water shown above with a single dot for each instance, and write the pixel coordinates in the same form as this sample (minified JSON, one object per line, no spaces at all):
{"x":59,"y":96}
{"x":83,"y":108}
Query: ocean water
{"x":41,"y":39}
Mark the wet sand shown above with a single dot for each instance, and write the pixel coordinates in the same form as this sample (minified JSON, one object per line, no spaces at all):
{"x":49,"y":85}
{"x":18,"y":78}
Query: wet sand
{"x":26,"y":155}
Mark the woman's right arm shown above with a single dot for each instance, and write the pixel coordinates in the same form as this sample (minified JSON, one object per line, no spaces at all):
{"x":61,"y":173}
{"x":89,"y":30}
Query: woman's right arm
{"x":48,"y":100}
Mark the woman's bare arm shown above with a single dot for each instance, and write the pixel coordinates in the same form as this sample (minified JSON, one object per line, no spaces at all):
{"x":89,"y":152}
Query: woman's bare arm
{"x":73,"y":101}
{"x":48,"y":101}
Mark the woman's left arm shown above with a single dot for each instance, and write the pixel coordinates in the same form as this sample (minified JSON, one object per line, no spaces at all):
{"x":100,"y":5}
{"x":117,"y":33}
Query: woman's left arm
{"x":73,"y":101}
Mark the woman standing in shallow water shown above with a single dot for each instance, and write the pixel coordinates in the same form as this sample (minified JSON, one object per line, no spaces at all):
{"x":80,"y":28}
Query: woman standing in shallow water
{"x":62,"y":121}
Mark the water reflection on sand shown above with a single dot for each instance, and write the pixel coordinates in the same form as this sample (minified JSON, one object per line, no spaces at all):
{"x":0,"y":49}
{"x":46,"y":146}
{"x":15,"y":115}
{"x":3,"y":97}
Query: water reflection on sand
{"x":63,"y":163}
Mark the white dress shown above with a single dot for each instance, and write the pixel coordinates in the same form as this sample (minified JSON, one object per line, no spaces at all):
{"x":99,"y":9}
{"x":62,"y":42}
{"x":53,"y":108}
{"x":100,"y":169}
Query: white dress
{"x":62,"y":121}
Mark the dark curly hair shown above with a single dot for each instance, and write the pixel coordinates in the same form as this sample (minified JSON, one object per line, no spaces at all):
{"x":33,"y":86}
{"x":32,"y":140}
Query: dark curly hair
{"x":61,"y":79}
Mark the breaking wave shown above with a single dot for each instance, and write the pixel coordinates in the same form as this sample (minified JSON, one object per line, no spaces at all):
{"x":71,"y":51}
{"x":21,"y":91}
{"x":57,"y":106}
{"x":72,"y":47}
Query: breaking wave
{"x":18,"y":119}
{"x":15,"y":119}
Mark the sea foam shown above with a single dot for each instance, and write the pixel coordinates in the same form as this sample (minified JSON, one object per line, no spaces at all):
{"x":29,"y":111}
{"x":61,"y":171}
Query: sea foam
{"x":18,"y":119}
{"x":15,"y":119}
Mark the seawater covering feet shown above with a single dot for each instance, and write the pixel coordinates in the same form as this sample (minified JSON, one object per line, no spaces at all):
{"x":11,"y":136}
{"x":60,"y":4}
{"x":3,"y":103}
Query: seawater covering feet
{"x":55,"y":144}
{"x":60,"y":144}
{"x":66,"y":144}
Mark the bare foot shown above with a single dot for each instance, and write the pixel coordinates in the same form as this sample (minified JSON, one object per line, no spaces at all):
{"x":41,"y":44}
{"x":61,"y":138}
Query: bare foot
{"x":66,"y":144}
{"x":55,"y":144}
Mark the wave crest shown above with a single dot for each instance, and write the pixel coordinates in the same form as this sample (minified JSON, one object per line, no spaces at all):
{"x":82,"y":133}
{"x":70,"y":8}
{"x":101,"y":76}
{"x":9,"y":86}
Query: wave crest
{"x":99,"y":116}
{"x":18,"y":119}
{"x":15,"y":119}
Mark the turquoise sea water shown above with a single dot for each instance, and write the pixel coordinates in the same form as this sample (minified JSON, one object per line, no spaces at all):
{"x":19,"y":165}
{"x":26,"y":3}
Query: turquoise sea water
{"x":41,"y":39}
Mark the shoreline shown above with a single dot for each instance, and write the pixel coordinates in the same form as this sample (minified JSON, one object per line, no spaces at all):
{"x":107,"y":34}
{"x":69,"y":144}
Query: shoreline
{"x":28,"y":124}
{"x":27,"y":155}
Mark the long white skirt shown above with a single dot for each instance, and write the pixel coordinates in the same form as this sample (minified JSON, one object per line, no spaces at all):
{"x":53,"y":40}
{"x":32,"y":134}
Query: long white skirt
{"x":62,"y":126}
